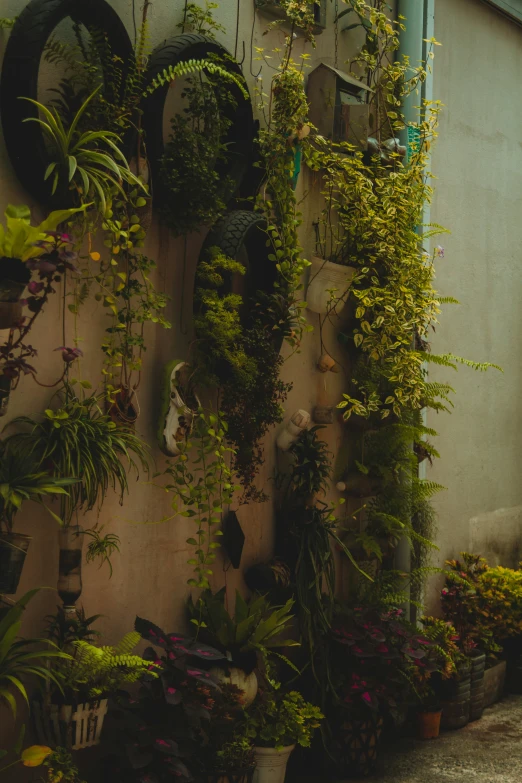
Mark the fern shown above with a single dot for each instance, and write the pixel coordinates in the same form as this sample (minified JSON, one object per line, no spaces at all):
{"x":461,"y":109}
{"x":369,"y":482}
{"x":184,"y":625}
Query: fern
{"x":190,"y":67}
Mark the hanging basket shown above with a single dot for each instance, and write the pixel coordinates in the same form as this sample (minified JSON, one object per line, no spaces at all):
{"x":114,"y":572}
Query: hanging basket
{"x":13,"y":549}
{"x":328,"y":288}
{"x":356,"y":746}
{"x":70,"y":565}
{"x":67,"y":726}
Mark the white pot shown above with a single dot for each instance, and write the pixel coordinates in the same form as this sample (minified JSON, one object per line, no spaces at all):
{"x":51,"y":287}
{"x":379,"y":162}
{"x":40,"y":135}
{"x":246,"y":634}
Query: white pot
{"x":246,"y":682}
{"x":329,"y":285}
{"x":271,"y":764}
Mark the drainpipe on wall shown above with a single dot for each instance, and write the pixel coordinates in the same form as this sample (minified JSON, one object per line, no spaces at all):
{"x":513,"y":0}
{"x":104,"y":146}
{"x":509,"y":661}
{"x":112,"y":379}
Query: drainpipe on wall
{"x":417,"y":15}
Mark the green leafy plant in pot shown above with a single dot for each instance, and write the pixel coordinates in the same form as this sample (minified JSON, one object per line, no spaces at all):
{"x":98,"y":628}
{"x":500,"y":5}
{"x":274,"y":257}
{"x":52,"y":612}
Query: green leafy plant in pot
{"x":78,"y":439}
{"x":255,"y":630}
{"x":277,"y":723}
{"x":21,"y":479}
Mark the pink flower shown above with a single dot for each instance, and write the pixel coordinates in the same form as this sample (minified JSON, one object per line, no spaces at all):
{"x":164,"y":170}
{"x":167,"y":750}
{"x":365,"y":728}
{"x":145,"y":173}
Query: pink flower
{"x":367,"y":698}
{"x":69,"y":354}
{"x":172,"y":691}
{"x":34,"y":287}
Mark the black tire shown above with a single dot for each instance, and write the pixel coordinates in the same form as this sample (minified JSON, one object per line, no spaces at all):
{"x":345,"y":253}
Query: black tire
{"x":31,"y":31}
{"x":239,"y":139}
{"x":242,"y":235}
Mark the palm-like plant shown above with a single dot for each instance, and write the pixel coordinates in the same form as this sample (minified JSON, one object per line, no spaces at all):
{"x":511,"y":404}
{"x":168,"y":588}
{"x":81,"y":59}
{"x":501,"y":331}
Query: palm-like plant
{"x":89,"y":162}
{"x":20,"y":658}
{"x":80,"y":440}
{"x":21,"y":479}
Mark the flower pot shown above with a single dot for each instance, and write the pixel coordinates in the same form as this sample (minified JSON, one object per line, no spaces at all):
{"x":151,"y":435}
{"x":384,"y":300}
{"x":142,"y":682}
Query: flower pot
{"x":122,"y":411}
{"x":478,"y":665}
{"x":10,"y":314}
{"x":70,"y":565}
{"x":72,"y":727}
{"x":428,"y":724}
{"x":13,"y":549}
{"x":356,"y":746}
{"x":246,"y":682}
{"x":271,"y":764}
{"x":5,"y":391}
{"x":494,"y":681}
{"x":328,"y":287}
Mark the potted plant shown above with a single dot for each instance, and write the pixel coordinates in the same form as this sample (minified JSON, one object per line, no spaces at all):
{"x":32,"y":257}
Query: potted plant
{"x":72,"y":714}
{"x":79,"y":439}
{"x":255,"y":628}
{"x":24,"y":658}
{"x":235,"y":761}
{"x":277,"y":724}
{"x":21,"y":479}
{"x":375,"y":656}
{"x":26,"y":250}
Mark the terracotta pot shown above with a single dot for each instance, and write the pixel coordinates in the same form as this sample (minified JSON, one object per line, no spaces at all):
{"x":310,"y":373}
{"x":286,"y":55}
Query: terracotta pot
{"x":246,"y":682}
{"x":271,"y":764}
{"x":328,"y":287}
{"x":494,"y":681}
{"x":13,"y":549}
{"x":428,"y":724}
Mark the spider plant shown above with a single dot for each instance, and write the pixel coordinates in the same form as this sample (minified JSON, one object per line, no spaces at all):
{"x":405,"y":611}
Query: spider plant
{"x":21,"y":479}
{"x":19,"y":658}
{"x":89,"y":162}
{"x":80,"y":440}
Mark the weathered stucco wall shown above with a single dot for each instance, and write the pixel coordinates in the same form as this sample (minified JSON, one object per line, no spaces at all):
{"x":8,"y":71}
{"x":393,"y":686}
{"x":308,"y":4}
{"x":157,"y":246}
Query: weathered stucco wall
{"x":478,"y":159}
{"x":151,"y":572}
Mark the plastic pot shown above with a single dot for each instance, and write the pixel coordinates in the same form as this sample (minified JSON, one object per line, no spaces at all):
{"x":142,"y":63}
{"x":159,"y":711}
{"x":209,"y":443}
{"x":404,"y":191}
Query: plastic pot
{"x":13,"y":549}
{"x":329,"y":285}
{"x":428,"y":724}
{"x":70,"y":565}
{"x":271,"y":764}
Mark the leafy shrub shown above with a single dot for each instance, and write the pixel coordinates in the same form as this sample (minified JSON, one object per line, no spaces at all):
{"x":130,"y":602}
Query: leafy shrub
{"x":276,"y":722}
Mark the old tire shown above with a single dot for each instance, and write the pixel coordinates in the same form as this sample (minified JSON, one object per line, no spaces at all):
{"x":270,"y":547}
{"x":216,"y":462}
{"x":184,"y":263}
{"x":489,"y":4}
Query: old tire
{"x":31,"y":31}
{"x":239,"y":139}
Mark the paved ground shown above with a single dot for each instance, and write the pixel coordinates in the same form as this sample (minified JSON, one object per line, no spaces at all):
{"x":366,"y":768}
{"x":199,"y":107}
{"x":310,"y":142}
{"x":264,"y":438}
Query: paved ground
{"x":488,"y":751}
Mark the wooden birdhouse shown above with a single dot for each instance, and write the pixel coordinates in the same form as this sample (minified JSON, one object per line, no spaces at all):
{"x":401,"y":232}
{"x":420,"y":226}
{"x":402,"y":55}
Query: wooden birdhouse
{"x":339,"y":106}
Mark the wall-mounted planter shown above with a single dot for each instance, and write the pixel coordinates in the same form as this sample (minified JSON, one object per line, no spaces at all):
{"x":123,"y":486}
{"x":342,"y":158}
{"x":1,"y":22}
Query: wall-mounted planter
{"x":328,"y":287}
{"x":271,"y":764}
{"x":13,"y":549}
{"x":175,"y":420}
{"x":494,"y":681}
{"x":67,"y":726}
{"x":275,"y":10}
{"x":70,"y":565}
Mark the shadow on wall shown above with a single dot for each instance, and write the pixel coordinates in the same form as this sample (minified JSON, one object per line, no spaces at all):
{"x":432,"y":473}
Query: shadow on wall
{"x":497,"y":536}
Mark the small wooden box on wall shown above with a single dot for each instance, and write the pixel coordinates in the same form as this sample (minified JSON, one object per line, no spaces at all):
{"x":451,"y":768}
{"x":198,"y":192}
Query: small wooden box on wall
{"x":274,"y":9}
{"x":338,"y":106}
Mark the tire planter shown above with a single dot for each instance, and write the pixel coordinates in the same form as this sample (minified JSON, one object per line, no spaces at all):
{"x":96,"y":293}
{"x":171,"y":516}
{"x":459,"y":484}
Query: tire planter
{"x":271,"y":764}
{"x":356,"y":747}
{"x":241,"y":235}
{"x":13,"y":549}
{"x":324,"y":277}
{"x":67,"y":726}
{"x":236,"y":676}
{"x":70,"y":565}
{"x":30,"y":33}
{"x":239,"y":138}
{"x":494,"y":681}
{"x":457,"y":703}
{"x":478,"y":665}
{"x":428,"y":725}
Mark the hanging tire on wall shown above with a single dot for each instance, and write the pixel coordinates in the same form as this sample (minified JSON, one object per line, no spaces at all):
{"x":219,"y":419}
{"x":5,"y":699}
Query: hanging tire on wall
{"x":242,"y":235}
{"x":31,"y":31}
{"x":239,"y":137}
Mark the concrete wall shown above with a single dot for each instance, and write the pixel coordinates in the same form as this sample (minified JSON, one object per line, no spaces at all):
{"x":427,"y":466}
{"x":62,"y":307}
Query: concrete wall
{"x":151,"y":572}
{"x":478,"y":159}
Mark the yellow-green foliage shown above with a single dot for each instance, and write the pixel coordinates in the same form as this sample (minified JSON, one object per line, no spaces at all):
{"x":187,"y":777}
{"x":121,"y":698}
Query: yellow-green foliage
{"x":500,"y":601}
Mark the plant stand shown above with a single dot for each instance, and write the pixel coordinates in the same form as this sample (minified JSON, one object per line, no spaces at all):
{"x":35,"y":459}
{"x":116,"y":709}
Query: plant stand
{"x":356,"y":747}
{"x":494,"y":681}
{"x":328,"y":287}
